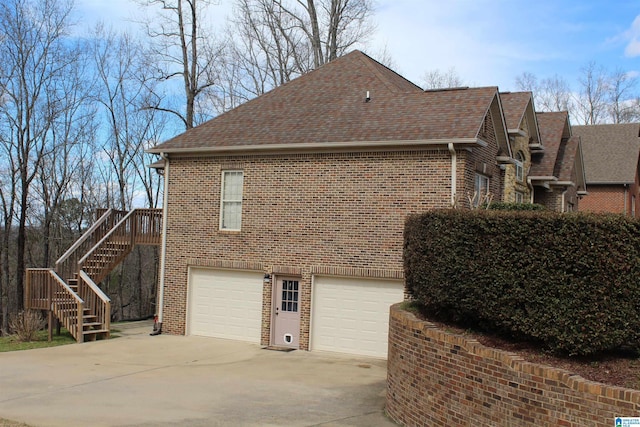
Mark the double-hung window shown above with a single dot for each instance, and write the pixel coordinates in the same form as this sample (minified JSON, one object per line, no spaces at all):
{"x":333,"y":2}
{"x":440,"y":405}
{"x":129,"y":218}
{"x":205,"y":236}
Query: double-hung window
{"x":519,"y":166}
{"x":231,"y":200}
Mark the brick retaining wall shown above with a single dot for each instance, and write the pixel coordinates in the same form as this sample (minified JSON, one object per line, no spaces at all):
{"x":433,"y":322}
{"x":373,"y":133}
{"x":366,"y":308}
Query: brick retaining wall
{"x":437,"y":378}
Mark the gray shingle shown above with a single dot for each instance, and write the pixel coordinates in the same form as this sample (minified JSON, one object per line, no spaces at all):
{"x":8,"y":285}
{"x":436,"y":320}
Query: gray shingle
{"x":610,"y":152}
{"x":328,"y":105}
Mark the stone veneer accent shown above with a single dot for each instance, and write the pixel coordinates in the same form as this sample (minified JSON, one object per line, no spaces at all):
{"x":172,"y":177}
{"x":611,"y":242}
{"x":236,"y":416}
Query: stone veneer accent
{"x":437,"y":378}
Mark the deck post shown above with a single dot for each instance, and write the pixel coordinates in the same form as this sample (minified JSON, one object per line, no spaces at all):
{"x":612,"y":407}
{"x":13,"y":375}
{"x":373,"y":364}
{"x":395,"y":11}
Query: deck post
{"x":80,"y":323}
{"x":50,"y":306}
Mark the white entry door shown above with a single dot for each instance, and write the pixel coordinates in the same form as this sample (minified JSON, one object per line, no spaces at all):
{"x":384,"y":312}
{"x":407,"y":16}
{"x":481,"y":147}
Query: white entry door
{"x":351,"y":315}
{"x":286,"y":329}
{"x":225,"y":304}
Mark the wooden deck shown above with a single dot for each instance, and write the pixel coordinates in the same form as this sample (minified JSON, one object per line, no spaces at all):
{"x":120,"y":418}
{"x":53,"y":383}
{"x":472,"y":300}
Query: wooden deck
{"x":70,"y":291}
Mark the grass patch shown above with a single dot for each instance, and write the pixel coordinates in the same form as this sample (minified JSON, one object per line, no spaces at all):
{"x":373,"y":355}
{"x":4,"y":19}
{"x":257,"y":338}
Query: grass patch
{"x":11,"y":343}
{"x":9,"y":423}
{"x":411,"y":307}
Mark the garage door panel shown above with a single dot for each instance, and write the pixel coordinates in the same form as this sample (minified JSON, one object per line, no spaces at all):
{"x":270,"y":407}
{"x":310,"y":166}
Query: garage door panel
{"x":351,"y":315}
{"x":225,"y":304}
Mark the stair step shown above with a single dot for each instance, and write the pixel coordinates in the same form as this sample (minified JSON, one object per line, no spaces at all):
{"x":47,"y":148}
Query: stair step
{"x":95,"y":331}
{"x":91,"y":324}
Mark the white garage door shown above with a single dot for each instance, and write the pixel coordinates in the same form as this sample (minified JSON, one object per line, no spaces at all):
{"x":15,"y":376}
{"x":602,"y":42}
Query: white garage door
{"x":225,"y":304}
{"x":351,"y":315}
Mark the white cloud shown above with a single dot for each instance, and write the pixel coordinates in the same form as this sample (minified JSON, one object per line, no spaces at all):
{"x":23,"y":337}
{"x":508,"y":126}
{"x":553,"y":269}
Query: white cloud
{"x":633,"y":35}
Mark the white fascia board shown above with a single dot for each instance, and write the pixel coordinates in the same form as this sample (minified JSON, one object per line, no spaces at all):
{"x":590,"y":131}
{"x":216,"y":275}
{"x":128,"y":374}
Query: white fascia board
{"x":321,"y":146}
{"x":518,"y":132}
{"x":564,"y":183}
{"x":543,"y":178}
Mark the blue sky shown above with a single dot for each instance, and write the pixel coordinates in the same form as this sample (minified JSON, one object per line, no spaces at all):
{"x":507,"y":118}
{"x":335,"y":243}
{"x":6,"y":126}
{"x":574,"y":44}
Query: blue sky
{"x":488,"y":42}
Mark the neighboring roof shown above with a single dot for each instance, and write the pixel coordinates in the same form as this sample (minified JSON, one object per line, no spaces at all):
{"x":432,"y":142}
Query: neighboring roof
{"x":553,"y":128}
{"x":518,"y":106}
{"x":610,"y":152}
{"x":329,"y":106}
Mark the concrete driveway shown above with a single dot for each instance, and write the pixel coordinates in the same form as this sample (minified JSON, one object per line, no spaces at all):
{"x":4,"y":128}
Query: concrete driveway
{"x":139,"y":380}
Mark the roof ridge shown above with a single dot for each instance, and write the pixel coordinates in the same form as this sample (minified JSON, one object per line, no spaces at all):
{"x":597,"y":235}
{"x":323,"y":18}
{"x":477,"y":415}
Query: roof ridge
{"x":374,"y":66}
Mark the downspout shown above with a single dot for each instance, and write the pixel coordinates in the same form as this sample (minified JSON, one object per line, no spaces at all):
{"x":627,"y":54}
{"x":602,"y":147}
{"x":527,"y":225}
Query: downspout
{"x":454,"y":173}
{"x":531,"y":190}
{"x":163,"y":248}
{"x":626,"y":197}
{"x":563,"y":210}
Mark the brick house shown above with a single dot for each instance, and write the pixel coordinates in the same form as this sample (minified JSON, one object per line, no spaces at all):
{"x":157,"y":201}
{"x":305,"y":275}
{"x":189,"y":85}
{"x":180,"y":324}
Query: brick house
{"x":557,"y":174}
{"x":284,"y":217}
{"x":611,"y":155}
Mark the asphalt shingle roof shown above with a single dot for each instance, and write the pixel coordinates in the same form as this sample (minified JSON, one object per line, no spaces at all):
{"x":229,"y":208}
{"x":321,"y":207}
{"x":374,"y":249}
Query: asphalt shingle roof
{"x":552,"y":129}
{"x":514,"y":105}
{"x":329,"y":105}
{"x":610,"y":152}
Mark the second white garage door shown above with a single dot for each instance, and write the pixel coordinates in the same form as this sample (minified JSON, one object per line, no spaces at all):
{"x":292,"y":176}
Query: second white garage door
{"x":351,"y":315}
{"x":225,"y":304}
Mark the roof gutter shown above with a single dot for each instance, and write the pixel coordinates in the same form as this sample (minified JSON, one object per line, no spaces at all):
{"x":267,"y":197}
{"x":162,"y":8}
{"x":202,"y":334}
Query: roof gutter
{"x":320,"y":146}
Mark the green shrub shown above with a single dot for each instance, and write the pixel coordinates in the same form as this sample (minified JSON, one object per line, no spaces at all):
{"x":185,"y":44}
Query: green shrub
{"x":503,"y":206}
{"x":570,"y":282}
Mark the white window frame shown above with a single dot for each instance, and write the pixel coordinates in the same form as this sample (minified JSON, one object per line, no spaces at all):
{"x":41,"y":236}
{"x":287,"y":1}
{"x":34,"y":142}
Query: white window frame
{"x":519,"y":197}
{"x":478,"y":187}
{"x":226,"y":201}
{"x":519,"y":162}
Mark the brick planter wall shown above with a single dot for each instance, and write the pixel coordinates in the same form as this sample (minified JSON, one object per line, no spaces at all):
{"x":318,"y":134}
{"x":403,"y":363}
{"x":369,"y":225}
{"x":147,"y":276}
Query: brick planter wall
{"x":437,"y":378}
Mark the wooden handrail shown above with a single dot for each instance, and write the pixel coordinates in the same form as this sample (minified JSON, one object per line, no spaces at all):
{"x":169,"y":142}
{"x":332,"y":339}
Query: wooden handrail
{"x":67,"y":266}
{"x":66,"y":287}
{"x":106,"y":238}
{"x":84,"y":237}
{"x":63,"y":301}
{"x":97,"y":301}
{"x":95,"y":288}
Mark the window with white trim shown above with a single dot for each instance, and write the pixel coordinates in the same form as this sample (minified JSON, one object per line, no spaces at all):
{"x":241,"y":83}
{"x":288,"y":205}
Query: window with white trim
{"x":480,"y":189}
{"x":519,"y":197}
{"x":231,"y":200}
{"x":519,"y":166}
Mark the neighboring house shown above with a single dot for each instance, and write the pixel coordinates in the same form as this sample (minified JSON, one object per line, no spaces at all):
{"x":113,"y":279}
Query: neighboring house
{"x":611,"y":154}
{"x":558,"y":173}
{"x":524,"y":135}
{"x":284,"y":217}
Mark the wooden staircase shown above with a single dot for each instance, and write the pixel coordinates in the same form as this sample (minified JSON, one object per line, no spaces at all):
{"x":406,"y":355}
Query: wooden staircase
{"x":69,"y":292}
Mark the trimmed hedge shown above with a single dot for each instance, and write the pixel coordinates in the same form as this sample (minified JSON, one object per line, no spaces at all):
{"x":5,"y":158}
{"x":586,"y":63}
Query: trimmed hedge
{"x":504,"y":206}
{"x":568,"y":281}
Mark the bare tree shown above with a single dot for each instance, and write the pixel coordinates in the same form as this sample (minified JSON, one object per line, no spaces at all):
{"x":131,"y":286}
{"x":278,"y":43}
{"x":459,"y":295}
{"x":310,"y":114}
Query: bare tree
{"x":35,"y":56}
{"x":622,"y":108}
{"x":592,"y":101}
{"x":267,"y":49}
{"x":277,"y":40}
{"x":8,"y":200}
{"x":332,"y":26}
{"x":438,"y":79}
{"x":550,"y":94}
{"x":71,"y":129}
{"x":125,"y":89}
{"x":184,"y":49}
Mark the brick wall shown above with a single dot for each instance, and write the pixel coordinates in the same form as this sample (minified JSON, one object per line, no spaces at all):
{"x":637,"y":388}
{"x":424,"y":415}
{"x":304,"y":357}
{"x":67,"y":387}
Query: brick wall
{"x":300,"y":214}
{"x":480,"y":160}
{"x":438,"y":379}
{"x":604,"y":198}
